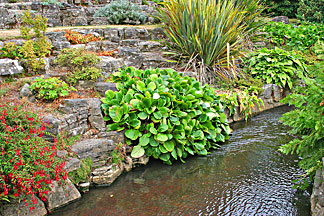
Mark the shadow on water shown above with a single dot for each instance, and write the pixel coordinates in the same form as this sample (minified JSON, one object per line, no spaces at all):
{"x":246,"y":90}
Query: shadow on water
{"x":246,"y":176}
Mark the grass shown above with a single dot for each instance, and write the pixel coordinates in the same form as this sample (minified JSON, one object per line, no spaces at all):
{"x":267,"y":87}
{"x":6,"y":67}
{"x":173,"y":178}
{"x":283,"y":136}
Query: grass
{"x":15,"y":33}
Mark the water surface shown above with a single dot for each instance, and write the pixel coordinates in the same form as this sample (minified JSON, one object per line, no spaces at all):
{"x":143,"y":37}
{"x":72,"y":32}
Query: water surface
{"x":247,"y":176}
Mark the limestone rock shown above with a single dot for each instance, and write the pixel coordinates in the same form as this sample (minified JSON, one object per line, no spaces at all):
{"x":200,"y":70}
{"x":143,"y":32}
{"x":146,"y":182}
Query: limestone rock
{"x":149,"y":46}
{"x":10,"y":67}
{"x":109,"y":64}
{"x":102,"y":87}
{"x":267,"y":91}
{"x":282,"y":19}
{"x":72,"y":164}
{"x":52,"y":125}
{"x":61,"y":195}
{"x":106,"y":175}
{"x":15,"y":208}
{"x":25,"y":91}
{"x":140,"y":161}
{"x":95,"y":114}
{"x":96,"y":149}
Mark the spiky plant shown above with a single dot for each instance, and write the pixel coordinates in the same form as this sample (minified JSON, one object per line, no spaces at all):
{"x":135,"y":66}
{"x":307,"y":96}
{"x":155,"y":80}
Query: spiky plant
{"x":210,"y":32}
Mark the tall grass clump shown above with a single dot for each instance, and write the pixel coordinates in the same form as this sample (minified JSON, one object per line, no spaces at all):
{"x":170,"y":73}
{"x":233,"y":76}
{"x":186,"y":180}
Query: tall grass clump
{"x":210,"y":33}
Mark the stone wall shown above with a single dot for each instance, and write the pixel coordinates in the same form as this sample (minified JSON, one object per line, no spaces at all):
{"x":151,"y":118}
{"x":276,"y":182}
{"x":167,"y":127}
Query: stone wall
{"x":317,"y":198}
{"x":71,"y":13}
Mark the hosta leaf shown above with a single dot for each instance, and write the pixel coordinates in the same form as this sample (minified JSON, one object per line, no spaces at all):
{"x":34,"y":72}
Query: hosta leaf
{"x":157,"y":115}
{"x":163,"y":149}
{"x":165,"y":157}
{"x":153,"y":130}
{"x":137,"y":151}
{"x":143,"y":115}
{"x":223,"y":118}
{"x":115,"y":113}
{"x":174,"y":154}
{"x":147,"y":102}
{"x":163,"y":127}
{"x":132,"y":134}
{"x":135,"y":123}
{"x":153,"y":142}
{"x":152,"y":86}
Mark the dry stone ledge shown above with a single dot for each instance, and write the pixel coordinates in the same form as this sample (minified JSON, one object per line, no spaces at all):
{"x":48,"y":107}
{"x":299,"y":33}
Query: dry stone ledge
{"x":61,"y":195}
{"x":106,"y":175}
{"x":96,"y":149}
{"x":282,"y":19}
{"x":14,"y":208}
{"x":10,"y":67}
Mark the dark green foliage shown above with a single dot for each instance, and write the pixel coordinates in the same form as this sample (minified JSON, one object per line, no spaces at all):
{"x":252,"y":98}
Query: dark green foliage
{"x":117,"y":12}
{"x":311,"y":10}
{"x":275,"y":66}
{"x":294,"y":37}
{"x":307,"y":121}
{"x":165,"y":115}
{"x":282,"y":7}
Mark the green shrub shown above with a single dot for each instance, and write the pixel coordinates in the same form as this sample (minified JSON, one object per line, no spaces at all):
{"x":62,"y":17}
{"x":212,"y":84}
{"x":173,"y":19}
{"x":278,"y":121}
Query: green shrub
{"x":82,"y":173}
{"x":50,"y":88}
{"x":209,"y":32}
{"x":117,"y":12}
{"x":10,"y":50}
{"x":81,"y":63}
{"x":165,"y":115}
{"x":311,"y":10}
{"x":282,"y":7}
{"x":307,"y":123}
{"x":55,"y":2}
{"x":294,"y":37}
{"x":33,"y":51}
{"x":275,"y":66}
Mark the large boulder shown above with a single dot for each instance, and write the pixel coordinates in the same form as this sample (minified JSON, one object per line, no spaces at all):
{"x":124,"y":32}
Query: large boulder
{"x":10,"y":67}
{"x":15,"y":208}
{"x":282,"y":19}
{"x":106,"y":175}
{"x":61,"y":195}
{"x":97,"y":149}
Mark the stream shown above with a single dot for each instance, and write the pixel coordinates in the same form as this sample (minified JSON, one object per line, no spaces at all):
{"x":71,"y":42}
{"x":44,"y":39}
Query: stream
{"x":246,"y":176}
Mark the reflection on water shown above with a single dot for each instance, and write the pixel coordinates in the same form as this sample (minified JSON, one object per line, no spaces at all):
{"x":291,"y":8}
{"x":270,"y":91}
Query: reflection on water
{"x":247,"y":176}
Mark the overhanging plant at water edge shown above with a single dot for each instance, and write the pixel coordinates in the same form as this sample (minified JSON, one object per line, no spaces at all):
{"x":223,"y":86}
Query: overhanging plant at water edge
{"x":165,"y":115}
{"x":210,"y":33}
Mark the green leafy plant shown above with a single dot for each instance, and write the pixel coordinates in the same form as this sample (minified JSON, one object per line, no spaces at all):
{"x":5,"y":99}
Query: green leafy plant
{"x":33,"y":51}
{"x":81,"y":63}
{"x":275,"y":66}
{"x":10,"y":50}
{"x":165,"y":115}
{"x":282,"y":7}
{"x":210,"y":33}
{"x":117,"y":12}
{"x":242,"y":99}
{"x":307,"y":125}
{"x":311,"y":10}
{"x":82,"y":173}
{"x":291,"y":37}
{"x":50,"y":88}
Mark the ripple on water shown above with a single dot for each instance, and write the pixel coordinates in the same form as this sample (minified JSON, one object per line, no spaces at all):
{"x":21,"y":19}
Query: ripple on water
{"x":246,"y":176}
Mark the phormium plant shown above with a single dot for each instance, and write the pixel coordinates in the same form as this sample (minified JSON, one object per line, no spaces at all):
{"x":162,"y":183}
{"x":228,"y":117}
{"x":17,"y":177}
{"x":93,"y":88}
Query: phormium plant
{"x":165,"y":115}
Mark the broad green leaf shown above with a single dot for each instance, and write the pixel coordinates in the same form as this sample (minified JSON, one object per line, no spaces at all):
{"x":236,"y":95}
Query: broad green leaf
{"x":161,"y":137}
{"x":169,"y":145}
{"x":132,"y":134}
{"x":137,"y":151}
{"x":144,"y":140}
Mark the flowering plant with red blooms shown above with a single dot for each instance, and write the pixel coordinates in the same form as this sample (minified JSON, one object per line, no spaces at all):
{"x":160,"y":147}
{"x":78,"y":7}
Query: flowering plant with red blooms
{"x":28,"y":162}
{"x":77,"y":38}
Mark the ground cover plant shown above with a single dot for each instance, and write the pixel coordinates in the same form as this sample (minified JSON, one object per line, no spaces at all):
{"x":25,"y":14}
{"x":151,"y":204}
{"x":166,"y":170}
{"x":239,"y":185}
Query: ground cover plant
{"x":275,"y":66}
{"x":82,"y":64}
{"x":50,"y":88}
{"x":210,"y":33}
{"x":165,"y":115}
{"x":302,"y":37}
{"x":28,"y":163}
{"x":117,"y":12}
{"x":77,"y":38}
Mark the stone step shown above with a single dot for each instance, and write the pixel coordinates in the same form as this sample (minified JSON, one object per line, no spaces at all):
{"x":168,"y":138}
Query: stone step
{"x":102,"y":87}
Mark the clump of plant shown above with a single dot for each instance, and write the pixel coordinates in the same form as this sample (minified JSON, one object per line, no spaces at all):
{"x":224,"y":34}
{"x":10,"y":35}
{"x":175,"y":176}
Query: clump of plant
{"x":311,"y":10}
{"x":77,"y":38}
{"x":307,"y":125}
{"x":282,"y":7}
{"x":290,"y":37}
{"x":54,"y":2}
{"x":165,"y":115}
{"x":242,"y":99}
{"x":121,"y":11}
{"x":50,"y":88}
{"x":34,"y":51}
{"x":275,"y":66}
{"x":210,"y":33}
{"x":117,"y":156}
{"x":82,"y":173}
{"x":108,"y":53}
{"x":10,"y":50}
{"x":28,"y":163}
{"x":82,"y":64}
